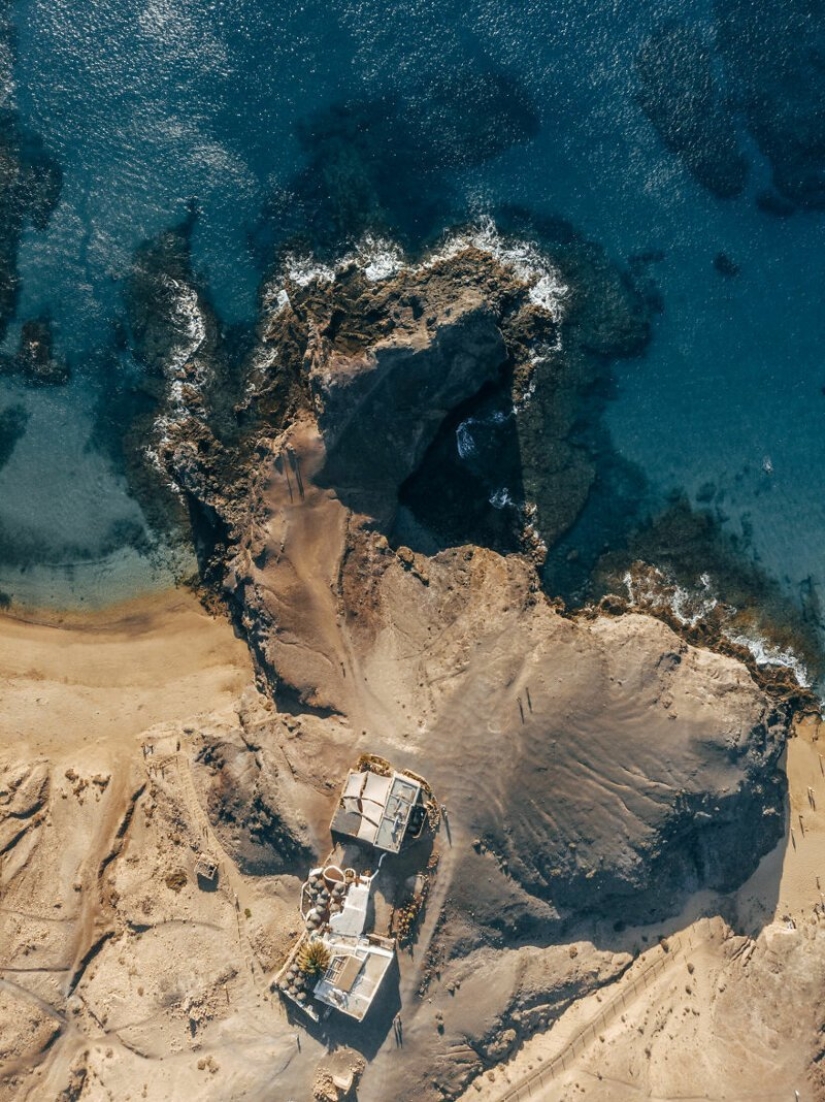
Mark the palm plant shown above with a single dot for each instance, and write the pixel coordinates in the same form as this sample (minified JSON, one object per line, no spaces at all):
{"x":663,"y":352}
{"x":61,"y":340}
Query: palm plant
{"x":313,"y":958}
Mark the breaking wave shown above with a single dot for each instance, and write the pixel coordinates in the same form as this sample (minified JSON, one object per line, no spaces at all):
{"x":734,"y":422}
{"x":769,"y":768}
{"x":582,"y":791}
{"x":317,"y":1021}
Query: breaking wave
{"x":380,"y":258}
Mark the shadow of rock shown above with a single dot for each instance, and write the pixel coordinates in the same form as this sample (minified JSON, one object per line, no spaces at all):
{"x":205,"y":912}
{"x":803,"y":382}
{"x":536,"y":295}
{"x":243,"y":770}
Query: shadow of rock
{"x":533,"y":436}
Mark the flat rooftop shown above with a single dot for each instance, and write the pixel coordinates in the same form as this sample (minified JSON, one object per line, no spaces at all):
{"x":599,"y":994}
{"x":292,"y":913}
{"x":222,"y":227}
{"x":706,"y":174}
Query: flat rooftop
{"x":377,"y":808}
{"x":355,"y":972}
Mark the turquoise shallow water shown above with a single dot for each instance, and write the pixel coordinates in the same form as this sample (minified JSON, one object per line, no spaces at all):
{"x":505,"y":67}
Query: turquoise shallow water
{"x":148,"y":104}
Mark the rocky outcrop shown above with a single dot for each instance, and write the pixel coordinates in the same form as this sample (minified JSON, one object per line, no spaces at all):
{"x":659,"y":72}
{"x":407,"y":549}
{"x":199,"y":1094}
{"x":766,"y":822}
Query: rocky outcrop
{"x":755,"y":68}
{"x":13,"y":421}
{"x":596,"y":766}
{"x":421,"y":372}
{"x":593,"y":765}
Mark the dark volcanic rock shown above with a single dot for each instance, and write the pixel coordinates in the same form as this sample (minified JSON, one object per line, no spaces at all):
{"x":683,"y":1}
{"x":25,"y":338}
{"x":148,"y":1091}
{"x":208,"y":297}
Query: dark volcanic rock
{"x":725,"y":265}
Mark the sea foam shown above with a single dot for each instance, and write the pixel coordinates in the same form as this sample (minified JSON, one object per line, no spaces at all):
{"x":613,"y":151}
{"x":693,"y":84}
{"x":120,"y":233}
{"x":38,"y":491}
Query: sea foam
{"x":380,"y":258}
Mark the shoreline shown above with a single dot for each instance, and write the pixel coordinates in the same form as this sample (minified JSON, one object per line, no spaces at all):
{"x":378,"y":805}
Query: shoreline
{"x":107,"y":674}
{"x":143,"y":606}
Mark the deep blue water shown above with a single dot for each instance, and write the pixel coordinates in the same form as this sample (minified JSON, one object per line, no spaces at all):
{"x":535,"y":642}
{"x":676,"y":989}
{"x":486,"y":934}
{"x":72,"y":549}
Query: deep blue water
{"x":148,"y":104}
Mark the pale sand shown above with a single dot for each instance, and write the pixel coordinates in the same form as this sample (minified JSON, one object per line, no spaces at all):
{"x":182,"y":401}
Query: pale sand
{"x":98,"y":716}
{"x":716,"y":1016}
{"x":84,"y":679}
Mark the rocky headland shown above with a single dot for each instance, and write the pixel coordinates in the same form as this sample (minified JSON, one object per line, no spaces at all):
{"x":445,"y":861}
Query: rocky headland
{"x":592,"y":766}
{"x":596,"y":772}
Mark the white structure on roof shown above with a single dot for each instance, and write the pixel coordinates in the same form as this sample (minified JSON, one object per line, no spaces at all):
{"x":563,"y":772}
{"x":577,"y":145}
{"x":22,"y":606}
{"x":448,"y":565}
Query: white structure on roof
{"x":351,"y":920}
{"x":356,"y":968}
{"x":377,"y":808}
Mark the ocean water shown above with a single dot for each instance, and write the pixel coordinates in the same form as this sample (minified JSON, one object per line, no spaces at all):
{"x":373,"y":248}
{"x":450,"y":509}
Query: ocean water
{"x":321,"y":118}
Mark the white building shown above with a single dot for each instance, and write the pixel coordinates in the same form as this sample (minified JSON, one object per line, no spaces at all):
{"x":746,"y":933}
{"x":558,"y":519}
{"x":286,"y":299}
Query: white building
{"x":356,"y":968}
{"x":377,"y":808}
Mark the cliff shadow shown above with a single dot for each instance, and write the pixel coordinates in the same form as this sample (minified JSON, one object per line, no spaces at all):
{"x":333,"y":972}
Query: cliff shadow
{"x":469,"y":486}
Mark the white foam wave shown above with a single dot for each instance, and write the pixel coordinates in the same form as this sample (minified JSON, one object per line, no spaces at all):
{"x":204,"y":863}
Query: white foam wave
{"x":689,"y":606}
{"x":501,"y":498}
{"x":531,"y":536}
{"x":304,"y":270}
{"x":547,"y":289}
{"x":765,"y":654}
{"x":463,"y":434}
{"x":464,"y":439}
{"x":188,"y":321}
{"x":380,"y":258}
{"x":185,"y":371}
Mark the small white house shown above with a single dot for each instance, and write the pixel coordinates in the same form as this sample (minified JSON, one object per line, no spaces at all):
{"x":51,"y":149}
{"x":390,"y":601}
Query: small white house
{"x":356,"y":968}
{"x":377,"y":809}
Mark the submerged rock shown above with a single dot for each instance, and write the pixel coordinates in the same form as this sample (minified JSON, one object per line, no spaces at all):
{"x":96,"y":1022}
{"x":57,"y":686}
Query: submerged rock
{"x":774,"y":58}
{"x":680,"y":95}
{"x":36,"y":362}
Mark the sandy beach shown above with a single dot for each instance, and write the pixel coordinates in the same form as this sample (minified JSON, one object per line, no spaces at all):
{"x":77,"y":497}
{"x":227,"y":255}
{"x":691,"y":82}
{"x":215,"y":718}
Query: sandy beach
{"x":76,"y":680}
